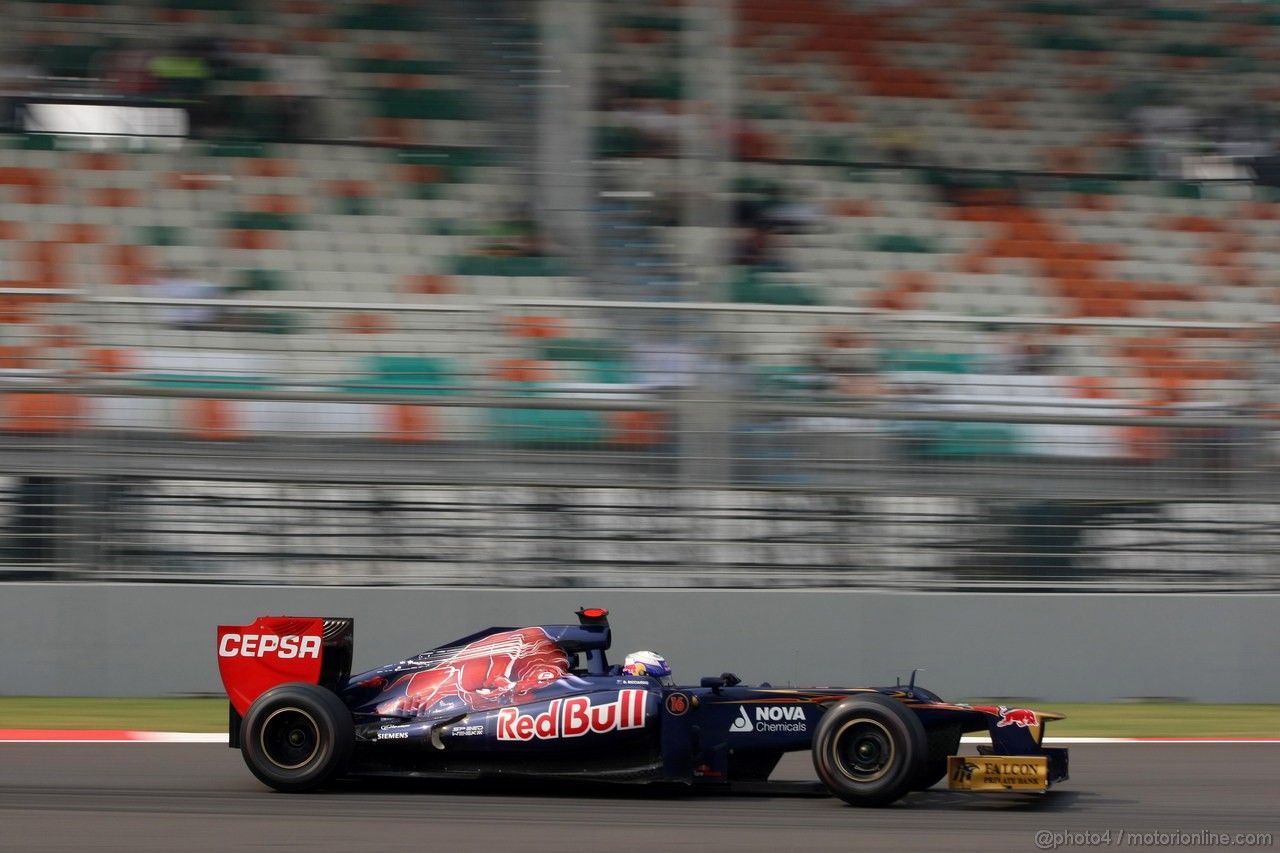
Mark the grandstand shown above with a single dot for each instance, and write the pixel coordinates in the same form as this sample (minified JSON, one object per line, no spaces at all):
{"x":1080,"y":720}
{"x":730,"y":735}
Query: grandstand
{"x":918,"y":244}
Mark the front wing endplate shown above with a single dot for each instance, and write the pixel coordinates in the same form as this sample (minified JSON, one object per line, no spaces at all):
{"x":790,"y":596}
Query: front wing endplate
{"x":998,"y":773}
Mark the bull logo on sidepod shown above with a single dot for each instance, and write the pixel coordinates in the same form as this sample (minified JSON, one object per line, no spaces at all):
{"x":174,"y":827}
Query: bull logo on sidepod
{"x":501,"y":669}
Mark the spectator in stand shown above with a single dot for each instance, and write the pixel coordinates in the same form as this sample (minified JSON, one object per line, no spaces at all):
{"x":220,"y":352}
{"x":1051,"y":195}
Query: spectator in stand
{"x":902,"y":146}
{"x":517,"y":235}
{"x":18,"y":76}
{"x":180,"y":283}
{"x":1018,"y":353}
{"x":125,"y":68}
{"x":302,"y":81}
{"x":656,"y":123}
{"x":755,"y":248}
{"x":846,"y":363}
{"x":179,"y":76}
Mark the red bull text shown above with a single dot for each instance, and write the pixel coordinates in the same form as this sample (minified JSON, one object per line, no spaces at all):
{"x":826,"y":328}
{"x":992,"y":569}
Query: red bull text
{"x":573,"y":717}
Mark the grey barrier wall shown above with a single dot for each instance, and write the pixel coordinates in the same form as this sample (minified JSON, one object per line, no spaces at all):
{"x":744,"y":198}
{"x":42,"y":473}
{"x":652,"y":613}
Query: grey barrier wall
{"x":158,"y":640}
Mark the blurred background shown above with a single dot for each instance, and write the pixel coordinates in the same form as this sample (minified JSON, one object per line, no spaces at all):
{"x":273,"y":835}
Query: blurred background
{"x":965,"y":295}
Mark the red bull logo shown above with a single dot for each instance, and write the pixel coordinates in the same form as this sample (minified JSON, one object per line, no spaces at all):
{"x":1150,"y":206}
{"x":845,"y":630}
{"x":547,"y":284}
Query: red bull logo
{"x":574,"y":716}
{"x":1020,"y":717}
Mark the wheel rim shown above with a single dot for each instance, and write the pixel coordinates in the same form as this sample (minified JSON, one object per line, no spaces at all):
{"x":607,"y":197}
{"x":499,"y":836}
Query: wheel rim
{"x":863,"y":750}
{"x":290,"y":738}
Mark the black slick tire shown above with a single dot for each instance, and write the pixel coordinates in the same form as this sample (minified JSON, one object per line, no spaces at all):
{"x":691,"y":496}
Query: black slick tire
{"x":869,"y":749}
{"x":297,"y":737}
{"x":944,"y":741}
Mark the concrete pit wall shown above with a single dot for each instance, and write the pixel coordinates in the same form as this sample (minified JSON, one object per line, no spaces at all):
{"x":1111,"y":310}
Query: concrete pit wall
{"x":158,"y":640}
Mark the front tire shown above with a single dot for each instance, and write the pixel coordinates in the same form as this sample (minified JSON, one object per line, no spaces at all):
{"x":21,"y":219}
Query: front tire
{"x":944,"y":741}
{"x":297,"y":737}
{"x":868,"y":750}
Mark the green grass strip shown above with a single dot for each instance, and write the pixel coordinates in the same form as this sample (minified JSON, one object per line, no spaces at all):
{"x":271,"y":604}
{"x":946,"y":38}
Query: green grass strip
{"x":154,"y":715}
{"x":1141,"y":719}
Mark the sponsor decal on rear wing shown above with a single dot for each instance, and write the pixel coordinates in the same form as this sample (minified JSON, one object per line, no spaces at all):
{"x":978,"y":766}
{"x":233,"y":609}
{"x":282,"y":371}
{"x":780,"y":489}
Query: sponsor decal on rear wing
{"x":276,"y":650}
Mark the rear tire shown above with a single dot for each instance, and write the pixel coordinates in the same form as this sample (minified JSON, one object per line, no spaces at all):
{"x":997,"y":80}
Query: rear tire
{"x":297,"y":737}
{"x":869,"y":750}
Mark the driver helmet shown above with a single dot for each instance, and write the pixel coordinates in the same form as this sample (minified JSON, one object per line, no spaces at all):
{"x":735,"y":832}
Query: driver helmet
{"x":651,"y":664}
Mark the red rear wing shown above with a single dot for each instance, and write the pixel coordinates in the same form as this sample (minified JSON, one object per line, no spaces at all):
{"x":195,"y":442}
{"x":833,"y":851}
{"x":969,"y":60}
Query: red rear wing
{"x":281,"y":649}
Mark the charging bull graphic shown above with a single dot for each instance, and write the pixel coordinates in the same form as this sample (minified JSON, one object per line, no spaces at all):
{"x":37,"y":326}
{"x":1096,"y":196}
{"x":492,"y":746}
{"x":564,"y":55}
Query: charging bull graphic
{"x":1020,"y":717}
{"x":501,"y":669}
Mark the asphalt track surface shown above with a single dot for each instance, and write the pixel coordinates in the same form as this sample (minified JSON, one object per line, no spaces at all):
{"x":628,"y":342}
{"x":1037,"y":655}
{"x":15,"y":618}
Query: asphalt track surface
{"x":200,"y":797}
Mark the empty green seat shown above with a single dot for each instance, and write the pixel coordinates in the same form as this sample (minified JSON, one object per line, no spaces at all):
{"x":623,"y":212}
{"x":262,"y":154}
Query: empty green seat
{"x":665,"y":23}
{"x":1169,"y":13}
{"x":580,"y":349}
{"x":548,"y":427}
{"x":503,"y":265}
{"x":1061,"y":40}
{"x":1202,"y":50}
{"x":262,"y":221}
{"x":961,"y":439}
{"x":405,"y":374}
{"x":750,"y":286}
{"x":263,"y":280}
{"x":162,"y":235}
{"x":237,"y":149}
{"x":899,"y":243}
{"x":244,"y":74}
{"x":927,"y":362}
{"x":437,"y":104}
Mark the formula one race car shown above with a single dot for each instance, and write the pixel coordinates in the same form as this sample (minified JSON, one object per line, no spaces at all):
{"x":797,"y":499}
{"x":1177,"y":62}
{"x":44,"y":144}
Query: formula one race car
{"x":544,"y":702}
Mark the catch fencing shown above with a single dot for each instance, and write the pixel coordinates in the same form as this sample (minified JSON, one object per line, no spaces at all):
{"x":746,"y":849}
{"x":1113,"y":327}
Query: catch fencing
{"x":544,"y":442}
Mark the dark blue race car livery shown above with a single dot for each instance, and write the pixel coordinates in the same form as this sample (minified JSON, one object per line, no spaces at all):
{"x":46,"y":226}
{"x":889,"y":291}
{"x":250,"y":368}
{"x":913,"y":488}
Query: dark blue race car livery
{"x":543,"y":701}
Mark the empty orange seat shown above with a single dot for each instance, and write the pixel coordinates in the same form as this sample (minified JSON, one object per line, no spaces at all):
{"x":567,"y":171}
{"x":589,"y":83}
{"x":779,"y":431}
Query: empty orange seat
{"x":419,"y":173}
{"x":81,"y":232}
{"x":1194,"y":224}
{"x":522,"y":370}
{"x":253,"y":239}
{"x":365,"y":324}
{"x":535,"y":327}
{"x":42,"y":412}
{"x":114,"y":197}
{"x":911,"y":282}
{"x":350,"y":189}
{"x":98,"y":161}
{"x":266,"y":167}
{"x":130,"y":264}
{"x":14,"y":357}
{"x":60,"y":335}
{"x":409,"y":424}
{"x":430,"y":285}
{"x":109,"y":360}
{"x":214,"y":420}
{"x":278,"y":204}
{"x":852,"y":207}
{"x":1091,"y":387}
{"x":194,"y":180}
{"x":972,"y":264}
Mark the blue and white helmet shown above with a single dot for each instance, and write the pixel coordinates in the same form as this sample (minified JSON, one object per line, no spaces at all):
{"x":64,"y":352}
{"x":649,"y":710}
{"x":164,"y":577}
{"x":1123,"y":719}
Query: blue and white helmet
{"x":651,"y":664}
